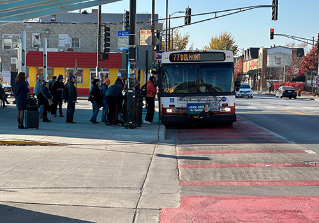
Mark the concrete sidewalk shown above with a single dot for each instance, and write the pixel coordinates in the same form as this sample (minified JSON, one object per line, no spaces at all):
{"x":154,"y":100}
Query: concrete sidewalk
{"x":101,"y":174}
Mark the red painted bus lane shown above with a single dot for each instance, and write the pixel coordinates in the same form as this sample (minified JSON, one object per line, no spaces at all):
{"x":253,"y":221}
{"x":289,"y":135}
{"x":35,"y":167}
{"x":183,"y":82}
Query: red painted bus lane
{"x":237,"y":151}
{"x":250,"y":183}
{"x":205,"y":209}
{"x":241,"y":165}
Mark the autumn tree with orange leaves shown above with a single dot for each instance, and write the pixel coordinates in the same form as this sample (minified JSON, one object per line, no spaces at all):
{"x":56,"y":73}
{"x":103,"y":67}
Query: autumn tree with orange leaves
{"x":310,"y":61}
{"x":238,"y":69}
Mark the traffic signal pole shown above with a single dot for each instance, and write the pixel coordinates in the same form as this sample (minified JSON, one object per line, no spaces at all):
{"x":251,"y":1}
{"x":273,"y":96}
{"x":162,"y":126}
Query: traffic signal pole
{"x":131,"y":110}
{"x":98,"y":53}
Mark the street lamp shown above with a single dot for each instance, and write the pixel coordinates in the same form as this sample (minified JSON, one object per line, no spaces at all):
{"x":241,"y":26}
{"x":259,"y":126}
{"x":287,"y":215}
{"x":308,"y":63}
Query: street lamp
{"x":169,"y":29}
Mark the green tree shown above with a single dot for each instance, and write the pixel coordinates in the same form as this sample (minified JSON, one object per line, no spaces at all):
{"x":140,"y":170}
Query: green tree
{"x":223,"y":41}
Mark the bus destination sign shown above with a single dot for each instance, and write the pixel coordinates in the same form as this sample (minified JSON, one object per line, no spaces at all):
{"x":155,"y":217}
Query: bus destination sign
{"x":197,"y":56}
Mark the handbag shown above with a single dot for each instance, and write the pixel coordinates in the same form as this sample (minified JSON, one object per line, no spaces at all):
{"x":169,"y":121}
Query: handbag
{"x":50,"y":101}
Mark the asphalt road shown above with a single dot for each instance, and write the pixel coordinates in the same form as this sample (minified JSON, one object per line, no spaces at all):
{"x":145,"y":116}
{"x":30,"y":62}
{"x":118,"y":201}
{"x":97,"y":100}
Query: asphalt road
{"x":264,"y":168}
{"x":296,"y":120}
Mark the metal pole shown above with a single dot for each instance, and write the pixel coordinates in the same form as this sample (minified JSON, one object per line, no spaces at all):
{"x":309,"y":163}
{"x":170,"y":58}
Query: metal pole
{"x":131,"y":109}
{"x":23,"y":51}
{"x":166,"y":25}
{"x":45,"y":55}
{"x":169,"y":33}
{"x":153,"y":29}
{"x":98,"y":51}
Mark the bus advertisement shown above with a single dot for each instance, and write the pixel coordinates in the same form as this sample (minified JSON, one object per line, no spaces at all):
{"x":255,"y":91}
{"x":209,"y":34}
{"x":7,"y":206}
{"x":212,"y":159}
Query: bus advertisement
{"x":197,"y":86}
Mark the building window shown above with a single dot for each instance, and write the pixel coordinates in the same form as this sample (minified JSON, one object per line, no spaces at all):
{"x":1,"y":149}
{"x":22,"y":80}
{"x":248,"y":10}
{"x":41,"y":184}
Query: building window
{"x":10,"y":44}
{"x":76,"y":42}
{"x":39,"y":70}
{"x":36,"y":41}
{"x":78,"y":73}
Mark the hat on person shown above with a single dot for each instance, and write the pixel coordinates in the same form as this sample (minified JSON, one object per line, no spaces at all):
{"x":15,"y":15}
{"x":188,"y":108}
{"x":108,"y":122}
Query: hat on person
{"x":120,"y":74}
{"x":72,"y":76}
{"x":107,"y":80}
{"x":60,"y":77}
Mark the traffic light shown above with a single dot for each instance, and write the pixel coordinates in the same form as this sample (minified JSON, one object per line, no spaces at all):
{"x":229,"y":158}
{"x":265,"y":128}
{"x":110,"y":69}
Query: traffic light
{"x":127,"y":20}
{"x":274,"y":13}
{"x":106,"y":46}
{"x":188,"y":14}
{"x":272,"y":33}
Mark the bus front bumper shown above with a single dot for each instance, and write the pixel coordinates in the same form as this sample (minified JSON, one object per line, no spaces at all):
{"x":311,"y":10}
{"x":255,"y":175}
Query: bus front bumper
{"x":166,"y":119}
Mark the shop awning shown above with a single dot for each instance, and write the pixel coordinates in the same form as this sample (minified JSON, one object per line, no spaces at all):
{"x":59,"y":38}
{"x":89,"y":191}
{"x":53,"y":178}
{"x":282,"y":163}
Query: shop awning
{"x":253,"y":72}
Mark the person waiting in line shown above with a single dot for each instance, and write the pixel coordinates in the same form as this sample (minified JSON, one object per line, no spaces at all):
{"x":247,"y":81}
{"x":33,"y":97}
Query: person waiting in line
{"x":114,"y":98}
{"x":37,"y":90}
{"x":57,"y":90}
{"x":21,"y":94}
{"x":96,"y":99}
{"x":104,"y":90}
{"x":150,"y":100}
{"x":120,"y":79}
{"x":46,"y":96}
{"x":71,"y":99}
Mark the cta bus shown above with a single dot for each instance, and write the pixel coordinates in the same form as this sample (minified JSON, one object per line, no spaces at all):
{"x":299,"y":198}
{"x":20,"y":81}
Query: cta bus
{"x":197,"y":86}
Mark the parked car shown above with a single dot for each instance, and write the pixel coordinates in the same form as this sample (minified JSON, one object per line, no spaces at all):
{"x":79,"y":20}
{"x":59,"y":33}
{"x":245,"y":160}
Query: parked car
{"x":286,"y":91}
{"x":7,"y":89}
{"x":244,"y":91}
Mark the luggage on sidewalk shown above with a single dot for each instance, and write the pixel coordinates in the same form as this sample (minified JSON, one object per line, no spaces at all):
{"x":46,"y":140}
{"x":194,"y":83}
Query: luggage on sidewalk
{"x":31,"y":119}
{"x":31,"y":116}
{"x":31,"y":103}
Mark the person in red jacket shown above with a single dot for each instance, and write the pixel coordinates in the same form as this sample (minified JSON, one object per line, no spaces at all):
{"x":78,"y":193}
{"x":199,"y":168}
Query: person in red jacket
{"x":150,"y":96}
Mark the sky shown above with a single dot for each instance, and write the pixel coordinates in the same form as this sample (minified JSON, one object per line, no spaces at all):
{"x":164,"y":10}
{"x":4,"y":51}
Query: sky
{"x":249,"y":29}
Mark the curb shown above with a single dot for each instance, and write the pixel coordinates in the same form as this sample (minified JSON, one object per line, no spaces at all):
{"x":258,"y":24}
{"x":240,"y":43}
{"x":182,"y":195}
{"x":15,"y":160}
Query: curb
{"x":28,"y":143}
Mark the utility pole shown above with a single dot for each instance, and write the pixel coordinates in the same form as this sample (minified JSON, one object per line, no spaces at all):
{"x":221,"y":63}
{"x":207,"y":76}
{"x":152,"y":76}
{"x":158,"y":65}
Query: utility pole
{"x":166,"y":25}
{"x":98,"y":53}
{"x":131,"y":109}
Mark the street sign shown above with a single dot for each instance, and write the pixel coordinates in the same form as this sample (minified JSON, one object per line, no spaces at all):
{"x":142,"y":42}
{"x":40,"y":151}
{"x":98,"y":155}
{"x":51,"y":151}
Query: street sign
{"x":149,"y":40}
{"x":123,"y":40}
{"x":123,"y":33}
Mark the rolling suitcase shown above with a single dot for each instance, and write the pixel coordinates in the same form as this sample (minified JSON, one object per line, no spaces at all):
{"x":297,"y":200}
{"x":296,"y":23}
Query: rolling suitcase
{"x":31,"y":117}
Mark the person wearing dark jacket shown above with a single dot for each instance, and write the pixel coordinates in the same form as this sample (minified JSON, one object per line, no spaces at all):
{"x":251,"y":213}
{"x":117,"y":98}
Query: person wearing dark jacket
{"x":72,"y":96}
{"x":57,"y":90}
{"x":21,"y":91}
{"x":96,"y":99}
{"x":104,"y":90}
{"x":114,"y":100}
{"x":150,"y":100}
{"x":120,"y":79}
{"x":46,"y":96}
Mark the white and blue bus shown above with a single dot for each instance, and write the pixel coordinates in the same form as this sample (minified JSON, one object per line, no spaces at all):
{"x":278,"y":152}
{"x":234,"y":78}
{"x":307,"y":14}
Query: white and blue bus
{"x":197,"y":86}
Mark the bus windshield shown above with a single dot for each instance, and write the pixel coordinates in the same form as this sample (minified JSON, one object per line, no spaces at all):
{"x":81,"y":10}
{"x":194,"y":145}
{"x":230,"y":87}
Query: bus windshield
{"x":197,"y":78}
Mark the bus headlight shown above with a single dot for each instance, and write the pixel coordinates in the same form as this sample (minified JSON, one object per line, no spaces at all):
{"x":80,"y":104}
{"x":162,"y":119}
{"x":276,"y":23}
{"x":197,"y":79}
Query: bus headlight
{"x":224,"y":109}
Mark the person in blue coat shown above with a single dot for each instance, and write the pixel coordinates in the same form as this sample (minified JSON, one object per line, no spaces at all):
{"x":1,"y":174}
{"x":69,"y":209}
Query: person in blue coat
{"x":21,"y":94}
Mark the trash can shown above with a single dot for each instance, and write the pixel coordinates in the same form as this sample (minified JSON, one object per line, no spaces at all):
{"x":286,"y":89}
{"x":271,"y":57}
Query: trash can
{"x":31,"y":113}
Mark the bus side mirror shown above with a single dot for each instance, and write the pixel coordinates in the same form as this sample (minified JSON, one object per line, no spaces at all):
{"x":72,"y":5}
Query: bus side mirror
{"x":237,"y":85}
